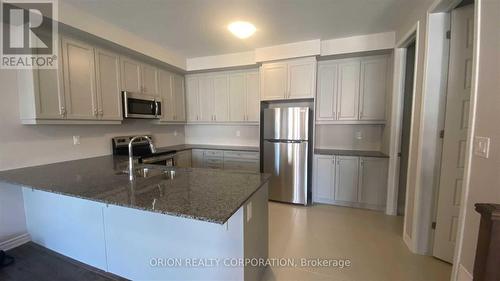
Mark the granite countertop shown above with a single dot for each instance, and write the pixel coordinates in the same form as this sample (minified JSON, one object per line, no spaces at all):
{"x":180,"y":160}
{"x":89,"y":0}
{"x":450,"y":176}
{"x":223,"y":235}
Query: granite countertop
{"x":181,"y":147}
{"x":202,"y":194}
{"x":346,"y":152}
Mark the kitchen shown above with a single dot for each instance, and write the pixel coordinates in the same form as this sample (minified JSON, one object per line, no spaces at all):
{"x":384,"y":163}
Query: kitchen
{"x":128,"y":151}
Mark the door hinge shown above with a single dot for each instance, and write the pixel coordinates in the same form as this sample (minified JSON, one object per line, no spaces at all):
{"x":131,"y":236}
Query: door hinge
{"x":441,"y":134}
{"x":448,"y":34}
{"x":433,"y":225}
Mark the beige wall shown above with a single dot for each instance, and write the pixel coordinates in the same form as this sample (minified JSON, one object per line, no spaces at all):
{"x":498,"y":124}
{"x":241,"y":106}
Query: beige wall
{"x":484,"y":181}
{"x":223,"y":134}
{"x":345,"y":137}
{"x":27,"y":145}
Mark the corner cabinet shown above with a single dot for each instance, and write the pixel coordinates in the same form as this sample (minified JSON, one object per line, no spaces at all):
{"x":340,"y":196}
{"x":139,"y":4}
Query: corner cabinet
{"x":352,"y":91}
{"x":290,"y":79}
{"x":171,"y":91}
{"x":223,"y":97}
{"x":350,"y":181}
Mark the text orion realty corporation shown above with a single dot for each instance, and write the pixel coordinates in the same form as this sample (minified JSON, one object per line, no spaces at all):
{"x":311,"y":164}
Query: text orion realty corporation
{"x":29,"y":34}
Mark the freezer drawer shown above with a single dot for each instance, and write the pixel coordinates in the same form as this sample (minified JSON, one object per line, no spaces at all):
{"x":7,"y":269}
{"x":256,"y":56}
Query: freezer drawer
{"x":286,"y":123}
{"x":287,"y":164}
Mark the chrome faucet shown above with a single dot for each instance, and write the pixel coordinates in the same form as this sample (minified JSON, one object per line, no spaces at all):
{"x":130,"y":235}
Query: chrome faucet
{"x":131,"y":169}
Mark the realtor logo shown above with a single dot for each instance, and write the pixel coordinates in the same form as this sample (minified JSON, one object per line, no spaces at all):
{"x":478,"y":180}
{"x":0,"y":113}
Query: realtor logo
{"x":29,"y":34}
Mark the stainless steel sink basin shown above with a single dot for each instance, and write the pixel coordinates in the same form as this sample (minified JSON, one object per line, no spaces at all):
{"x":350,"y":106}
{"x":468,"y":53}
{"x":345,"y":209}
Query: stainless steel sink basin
{"x":153,"y":171}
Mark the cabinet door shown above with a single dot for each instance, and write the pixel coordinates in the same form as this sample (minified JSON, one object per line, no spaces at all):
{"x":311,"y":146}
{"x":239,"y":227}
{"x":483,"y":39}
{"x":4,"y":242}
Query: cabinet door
{"x":197,"y":158}
{"x":301,"y":78}
{"x":373,"y":181}
{"x":324,"y":175}
{"x":221,"y":98}
{"x":252,"y":97}
{"x":131,"y":75}
{"x":79,"y":80}
{"x":326,"y":102}
{"x":373,"y":88}
{"x":274,"y":81}
{"x":166,"y":93}
{"x":180,"y":97}
{"x":348,"y":90}
{"x":108,"y":85}
{"x":346,"y":186}
{"x":192,"y":99}
{"x":237,"y":89}
{"x":206,"y":93}
{"x":149,"y":80}
{"x":183,"y":159}
{"x":50,"y":102}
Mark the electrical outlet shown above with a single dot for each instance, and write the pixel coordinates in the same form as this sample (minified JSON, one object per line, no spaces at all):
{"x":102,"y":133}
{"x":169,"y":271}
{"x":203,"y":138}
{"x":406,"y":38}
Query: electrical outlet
{"x":358,"y":135}
{"x":482,"y":147}
{"x":238,"y":133}
{"x":76,"y":140}
{"x":175,"y":133}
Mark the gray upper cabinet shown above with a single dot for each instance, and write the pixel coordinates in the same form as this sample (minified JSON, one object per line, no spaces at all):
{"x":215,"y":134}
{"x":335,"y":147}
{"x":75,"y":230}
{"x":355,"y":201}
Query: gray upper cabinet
{"x":373,"y":88}
{"x":131,"y":75}
{"x":79,"y":80}
{"x":352,"y":91}
{"x":109,"y":105}
{"x":290,"y":79}
{"x":223,"y":97}
{"x":180,"y":97}
{"x":149,"y":79}
{"x":171,"y":91}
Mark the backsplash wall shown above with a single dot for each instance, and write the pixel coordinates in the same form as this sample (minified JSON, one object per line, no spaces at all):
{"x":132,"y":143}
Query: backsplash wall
{"x":223,"y":134}
{"x":346,"y":137}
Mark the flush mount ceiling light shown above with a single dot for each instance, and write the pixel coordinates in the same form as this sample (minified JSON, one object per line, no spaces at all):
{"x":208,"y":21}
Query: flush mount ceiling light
{"x":242,"y":29}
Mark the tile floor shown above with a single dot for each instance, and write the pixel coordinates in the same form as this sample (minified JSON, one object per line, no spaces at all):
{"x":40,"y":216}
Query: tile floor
{"x":370,"y":240}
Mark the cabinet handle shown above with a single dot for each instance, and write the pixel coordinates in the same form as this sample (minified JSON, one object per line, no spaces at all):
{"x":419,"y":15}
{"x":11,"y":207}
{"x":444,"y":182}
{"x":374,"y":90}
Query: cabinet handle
{"x":95,"y":112}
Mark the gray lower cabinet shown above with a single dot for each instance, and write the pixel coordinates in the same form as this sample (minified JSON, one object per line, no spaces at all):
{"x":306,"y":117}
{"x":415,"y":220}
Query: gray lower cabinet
{"x":225,"y":159}
{"x":350,"y":181}
{"x":183,"y":159}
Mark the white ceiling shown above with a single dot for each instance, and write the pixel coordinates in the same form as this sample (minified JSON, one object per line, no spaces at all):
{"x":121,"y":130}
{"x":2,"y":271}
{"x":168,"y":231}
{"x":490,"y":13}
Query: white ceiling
{"x":198,"y":27}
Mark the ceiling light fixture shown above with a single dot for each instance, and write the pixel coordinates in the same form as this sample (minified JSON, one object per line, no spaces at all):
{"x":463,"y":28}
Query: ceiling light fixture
{"x":242,"y":29}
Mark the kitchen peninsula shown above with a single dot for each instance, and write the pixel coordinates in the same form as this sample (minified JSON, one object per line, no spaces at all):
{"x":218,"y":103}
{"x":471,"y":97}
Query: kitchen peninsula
{"x":89,"y":210}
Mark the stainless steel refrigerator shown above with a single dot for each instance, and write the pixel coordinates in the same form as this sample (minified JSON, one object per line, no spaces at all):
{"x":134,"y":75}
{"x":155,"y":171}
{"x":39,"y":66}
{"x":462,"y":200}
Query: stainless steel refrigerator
{"x":285,"y":146}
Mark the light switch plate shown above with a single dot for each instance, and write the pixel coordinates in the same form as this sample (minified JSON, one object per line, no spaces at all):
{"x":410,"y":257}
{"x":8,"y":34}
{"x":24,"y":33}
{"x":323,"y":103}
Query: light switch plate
{"x":76,"y":140}
{"x":482,"y":146}
{"x":249,"y":211}
{"x":238,"y":133}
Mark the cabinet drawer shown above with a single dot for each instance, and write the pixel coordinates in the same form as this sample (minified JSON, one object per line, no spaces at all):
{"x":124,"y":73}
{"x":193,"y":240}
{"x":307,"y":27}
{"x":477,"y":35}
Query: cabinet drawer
{"x":213,"y":163}
{"x":241,"y":165}
{"x":213,"y":153}
{"x":241,"y":155}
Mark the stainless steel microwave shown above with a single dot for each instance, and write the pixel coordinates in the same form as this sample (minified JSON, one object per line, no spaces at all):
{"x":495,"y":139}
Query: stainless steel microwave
{"x":141,"y":106}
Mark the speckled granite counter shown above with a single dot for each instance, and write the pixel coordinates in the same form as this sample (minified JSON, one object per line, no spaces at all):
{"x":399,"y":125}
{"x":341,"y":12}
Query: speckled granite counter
{"x":182,"y":147}
{"x":344,"y":152}
{"x":202,"y":194}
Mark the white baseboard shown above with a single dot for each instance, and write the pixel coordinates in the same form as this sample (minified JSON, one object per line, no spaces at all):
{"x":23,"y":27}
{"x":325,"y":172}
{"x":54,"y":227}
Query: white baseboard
{"x":15,"y":242}
{"x":463,"y":274}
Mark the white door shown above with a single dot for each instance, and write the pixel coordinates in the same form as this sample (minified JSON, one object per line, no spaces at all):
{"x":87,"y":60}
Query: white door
{"x":206,"y":93}
{"x":50,"y":99}
{"x":372,"y":181}
{"x":324,"y":175}
{"x":302,"y":78}
{"x":252,"y":97}
{"x":79,"y":80}
{"x":455,"y":131}
{"x":346,"y":174}
{"x":109,"y":102}
{"x":274,"y":81}
{"x":326,"y":102}
{"x":131,"y":75}
{"x":221,"y":98}
{"x":149,"y":80}
{"x":373,"y":88}
{"x":166,"y":93}
{"x":192,"y":99}
{"x":348,"y":90}
{"x":237,"y":88}
{"x":179,"y":97}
